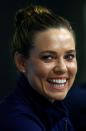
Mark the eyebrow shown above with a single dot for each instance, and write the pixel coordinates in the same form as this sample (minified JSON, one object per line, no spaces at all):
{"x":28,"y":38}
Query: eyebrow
{"x":71,"y":51}
{"x":48,"y":52}
{"x":54,"y":52}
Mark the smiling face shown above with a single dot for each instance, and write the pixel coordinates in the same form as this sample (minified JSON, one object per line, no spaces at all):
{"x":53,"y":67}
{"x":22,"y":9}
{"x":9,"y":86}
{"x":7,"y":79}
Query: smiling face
{"x":52,"y":66}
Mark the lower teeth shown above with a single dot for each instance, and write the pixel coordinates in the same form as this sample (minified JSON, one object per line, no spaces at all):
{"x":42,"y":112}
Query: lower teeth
{"x":61,"y":85}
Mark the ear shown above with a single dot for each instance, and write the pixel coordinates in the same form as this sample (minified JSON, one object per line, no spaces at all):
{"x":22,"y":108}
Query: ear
{"x":20,"y":62}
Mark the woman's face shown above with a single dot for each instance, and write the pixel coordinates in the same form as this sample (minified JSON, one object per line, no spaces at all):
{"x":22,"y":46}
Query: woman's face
{"x":52,"y":66}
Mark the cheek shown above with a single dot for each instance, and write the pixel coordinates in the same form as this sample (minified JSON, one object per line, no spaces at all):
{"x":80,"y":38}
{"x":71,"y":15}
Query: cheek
{"x":72,"y":67}
{"x":42,"y":69}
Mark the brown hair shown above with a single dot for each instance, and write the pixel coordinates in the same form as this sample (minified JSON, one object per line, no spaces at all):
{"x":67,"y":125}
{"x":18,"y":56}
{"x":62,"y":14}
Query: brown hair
{"x":31,"y":20}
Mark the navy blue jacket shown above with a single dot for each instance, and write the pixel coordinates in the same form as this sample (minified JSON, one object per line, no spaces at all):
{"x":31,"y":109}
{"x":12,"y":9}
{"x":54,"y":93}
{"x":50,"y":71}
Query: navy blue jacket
{"x":26,"y":110}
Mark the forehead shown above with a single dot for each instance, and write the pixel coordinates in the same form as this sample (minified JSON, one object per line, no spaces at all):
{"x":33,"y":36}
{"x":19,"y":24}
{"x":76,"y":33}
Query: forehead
{"x":54,"y":38}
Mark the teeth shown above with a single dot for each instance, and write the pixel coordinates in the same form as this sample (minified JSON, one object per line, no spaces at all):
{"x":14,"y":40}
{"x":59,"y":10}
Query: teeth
{"x":58,"y":85}
{"x":59,"y":81}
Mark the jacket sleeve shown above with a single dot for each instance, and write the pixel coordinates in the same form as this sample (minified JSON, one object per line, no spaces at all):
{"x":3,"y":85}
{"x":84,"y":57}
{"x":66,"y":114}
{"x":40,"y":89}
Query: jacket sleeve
{"x":20,"y":124}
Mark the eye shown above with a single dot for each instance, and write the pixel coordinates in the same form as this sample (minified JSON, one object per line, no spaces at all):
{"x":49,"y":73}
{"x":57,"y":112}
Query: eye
{"x":47,"y":58}
{"x":69,"y":57}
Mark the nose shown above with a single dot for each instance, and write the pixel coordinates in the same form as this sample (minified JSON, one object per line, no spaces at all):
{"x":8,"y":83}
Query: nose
{"x":60,"y":66}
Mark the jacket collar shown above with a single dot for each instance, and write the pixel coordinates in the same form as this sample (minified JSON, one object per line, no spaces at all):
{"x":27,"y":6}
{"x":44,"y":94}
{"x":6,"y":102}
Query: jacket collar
{"x":57,"y":109}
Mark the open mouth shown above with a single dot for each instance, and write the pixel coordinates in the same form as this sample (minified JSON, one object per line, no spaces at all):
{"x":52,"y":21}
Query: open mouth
{"x":57,"y":83}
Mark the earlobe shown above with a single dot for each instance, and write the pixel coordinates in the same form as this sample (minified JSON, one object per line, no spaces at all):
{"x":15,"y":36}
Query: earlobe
{"x":20,"y":62}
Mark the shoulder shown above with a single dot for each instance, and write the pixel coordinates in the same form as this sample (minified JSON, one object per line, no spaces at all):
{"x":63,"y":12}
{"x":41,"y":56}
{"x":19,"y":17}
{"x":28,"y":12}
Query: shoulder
{"x":20,"y":123}
{"x":17,"y":115}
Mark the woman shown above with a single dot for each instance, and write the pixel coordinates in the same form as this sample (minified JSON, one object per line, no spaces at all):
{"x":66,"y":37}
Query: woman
{"x":44,"y":52}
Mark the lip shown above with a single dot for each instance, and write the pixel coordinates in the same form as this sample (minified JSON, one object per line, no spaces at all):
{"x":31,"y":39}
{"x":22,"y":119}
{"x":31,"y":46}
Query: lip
{"x":57,"y":85}
{"x":57,"y":78}
{"x":61,"y":77}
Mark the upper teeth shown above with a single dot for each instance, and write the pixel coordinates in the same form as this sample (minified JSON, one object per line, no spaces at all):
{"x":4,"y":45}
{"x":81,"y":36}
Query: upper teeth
{"x":58,"y":81}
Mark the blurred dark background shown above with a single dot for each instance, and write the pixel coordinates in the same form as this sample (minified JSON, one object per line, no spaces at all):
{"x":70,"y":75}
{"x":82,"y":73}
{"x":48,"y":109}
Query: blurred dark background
{"x":75,"y":12}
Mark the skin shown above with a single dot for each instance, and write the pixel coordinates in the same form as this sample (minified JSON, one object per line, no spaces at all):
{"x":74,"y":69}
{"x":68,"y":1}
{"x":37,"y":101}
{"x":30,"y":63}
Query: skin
{"x":52,"y":58}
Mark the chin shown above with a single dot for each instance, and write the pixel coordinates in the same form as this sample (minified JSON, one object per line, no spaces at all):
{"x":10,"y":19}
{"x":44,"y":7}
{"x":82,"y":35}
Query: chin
{"x":56,"y":99}
{"x":59,"y":97}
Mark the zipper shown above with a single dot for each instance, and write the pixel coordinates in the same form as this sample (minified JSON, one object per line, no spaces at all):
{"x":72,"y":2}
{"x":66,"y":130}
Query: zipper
{"x":65,"y":125}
